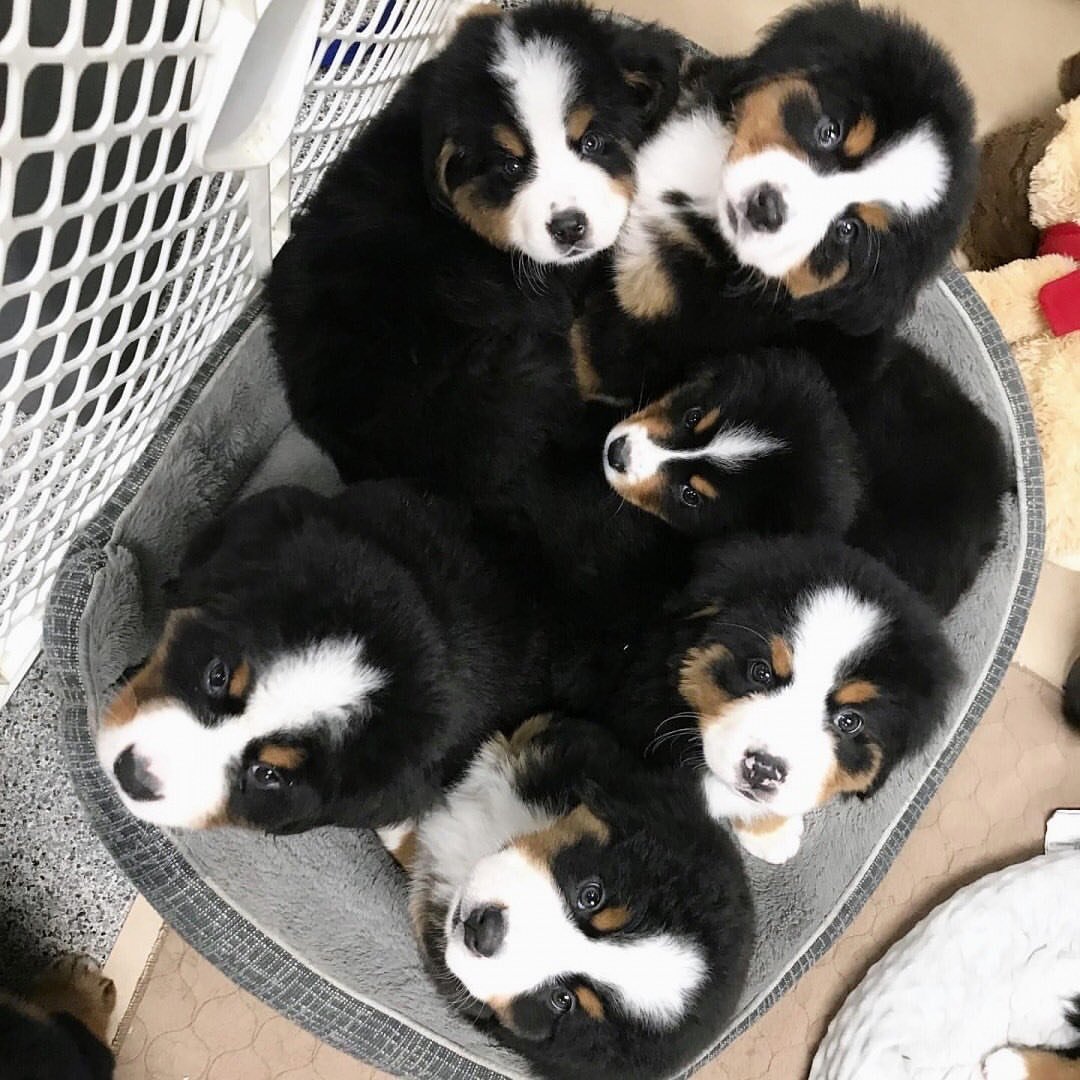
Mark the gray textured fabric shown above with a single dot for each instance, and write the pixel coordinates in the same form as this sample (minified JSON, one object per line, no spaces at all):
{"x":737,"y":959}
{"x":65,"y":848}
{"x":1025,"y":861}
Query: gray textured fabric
{"x":315,"y":924}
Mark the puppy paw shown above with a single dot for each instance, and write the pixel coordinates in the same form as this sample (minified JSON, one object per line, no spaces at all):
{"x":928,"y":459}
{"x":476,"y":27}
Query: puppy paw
{"x":773,"y":841}
{"x":1005,"y":1064}
{"x":74,"y":984}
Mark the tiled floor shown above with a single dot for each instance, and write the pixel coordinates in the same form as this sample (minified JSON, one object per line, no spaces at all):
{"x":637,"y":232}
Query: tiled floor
{"x":1020,"y":764}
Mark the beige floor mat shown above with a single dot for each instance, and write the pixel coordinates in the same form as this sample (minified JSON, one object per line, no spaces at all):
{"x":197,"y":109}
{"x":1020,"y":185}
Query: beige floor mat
{"x":193,"y":1024}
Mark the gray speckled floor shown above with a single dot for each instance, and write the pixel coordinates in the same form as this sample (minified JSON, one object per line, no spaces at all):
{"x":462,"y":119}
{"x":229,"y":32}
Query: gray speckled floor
{"x":59,"y":888}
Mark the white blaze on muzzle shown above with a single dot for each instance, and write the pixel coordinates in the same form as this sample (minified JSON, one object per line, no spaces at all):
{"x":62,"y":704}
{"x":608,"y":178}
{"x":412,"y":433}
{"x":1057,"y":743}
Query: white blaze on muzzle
{"x":541,"y":84}
{"x":189,"y":765}
{"x":730,"y":448}
{"x":910,"y":176}
{"x":790,"y":724}
{"x":653,"y":975}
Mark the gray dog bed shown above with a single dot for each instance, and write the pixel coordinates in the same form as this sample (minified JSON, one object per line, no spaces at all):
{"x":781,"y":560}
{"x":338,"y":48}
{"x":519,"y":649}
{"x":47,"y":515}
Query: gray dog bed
{"x":316,"y":924}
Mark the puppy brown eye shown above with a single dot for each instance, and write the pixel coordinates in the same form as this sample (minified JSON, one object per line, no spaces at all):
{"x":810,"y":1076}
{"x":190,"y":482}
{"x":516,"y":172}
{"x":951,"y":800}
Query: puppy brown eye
{"x":689,"y":496}
{"x":265,"y":776}
{"x":759,"y":671}
{"x":592,"y":143}
{"x":562,"y":1001}
{"x":846,"y":229}
{"x":590,"y":896}
{"x":216,"y":678}
{"x":512,"y":167}
{"x":848,"y":722}
{"x":692,"y":419}
{"x":827,"y":133}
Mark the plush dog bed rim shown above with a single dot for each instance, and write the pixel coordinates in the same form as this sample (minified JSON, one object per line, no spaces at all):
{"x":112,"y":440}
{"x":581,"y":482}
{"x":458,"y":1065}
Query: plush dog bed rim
{"x":268,"y":970}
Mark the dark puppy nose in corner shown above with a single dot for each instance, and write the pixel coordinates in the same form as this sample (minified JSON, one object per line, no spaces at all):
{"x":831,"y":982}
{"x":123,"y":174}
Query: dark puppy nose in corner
{"x":133,"y":776}
{"x":765,"y":209}
{"x":618,"y":453}
{"x":763,"y":772}
{"x":567,"y":227}
{"x":485,"y":929}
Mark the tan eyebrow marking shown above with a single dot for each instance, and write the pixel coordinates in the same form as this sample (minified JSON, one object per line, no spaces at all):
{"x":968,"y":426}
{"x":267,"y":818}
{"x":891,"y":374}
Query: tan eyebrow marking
{"x":707,"y":421}
{"x":861,"y":136}
{"x":610,"y":919}
{"x":783,"y":662}
{"x":581,"y":823}
{"x":874,"y":215}
{"x":282,"y":757}
{"x":509,"y":140}
{"x":856,"y":692}
{"x":577,"y":123}
{"x":703,"y":487}
{"x":759,"y":118}
{"x":589,"y":1002}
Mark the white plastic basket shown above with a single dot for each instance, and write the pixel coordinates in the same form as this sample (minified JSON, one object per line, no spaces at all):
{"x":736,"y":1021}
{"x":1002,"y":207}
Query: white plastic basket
{"x":146,"y":177}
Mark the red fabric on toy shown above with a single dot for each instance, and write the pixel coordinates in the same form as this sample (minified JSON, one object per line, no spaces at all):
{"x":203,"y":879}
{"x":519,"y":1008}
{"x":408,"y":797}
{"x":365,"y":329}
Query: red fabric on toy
{"x":1063,"y":239}
{"x":1060,"y":301}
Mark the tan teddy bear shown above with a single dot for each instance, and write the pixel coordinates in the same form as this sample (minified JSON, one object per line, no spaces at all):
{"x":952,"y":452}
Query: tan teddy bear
{"x":1000,"y":228}
{"x":1049,"y":362}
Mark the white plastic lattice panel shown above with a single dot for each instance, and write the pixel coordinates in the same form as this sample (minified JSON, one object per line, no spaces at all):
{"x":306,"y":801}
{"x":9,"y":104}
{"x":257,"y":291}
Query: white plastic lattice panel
{"x":123,"y":260}
{"x":122,"y":264}
{"x":365,"y":49}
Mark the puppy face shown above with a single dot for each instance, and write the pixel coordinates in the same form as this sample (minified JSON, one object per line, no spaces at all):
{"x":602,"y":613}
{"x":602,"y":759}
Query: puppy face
{"x":534,"y":122}
{"x":813,"y":672}
{"x":224,"y":725}
{"x":851,"y":151}
{"x":585,"y":916}
{"x":550,"y":926}
{"x":759,"y":442}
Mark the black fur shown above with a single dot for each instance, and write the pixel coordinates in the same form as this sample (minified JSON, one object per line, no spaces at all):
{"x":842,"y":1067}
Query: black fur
{"x":745,"y":592}
{"x":383,"y":563}
{"x":57,"y":1048}
{"x":668,"y":863}
{"x":409,"y":345}
{"x":860,"y":62}
{"x":901,"y":462}
{"x":935,"y":473}
{"x":1071,"y":702}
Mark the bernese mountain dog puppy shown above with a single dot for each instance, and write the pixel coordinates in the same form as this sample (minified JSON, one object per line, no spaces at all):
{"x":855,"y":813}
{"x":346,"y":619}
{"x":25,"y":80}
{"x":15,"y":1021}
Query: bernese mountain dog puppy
{"x":1016,"y":1063}
{"x":802,"y":193}
{"x":757,"y":444}
{"x":585,"y":910}
{"x":903,"y":462}
{"x":754,"y":443}
{"x":58,"y":1030}
{"x":788,"y":672}
{"x":326,"y":661}
{"x":422,"y":307}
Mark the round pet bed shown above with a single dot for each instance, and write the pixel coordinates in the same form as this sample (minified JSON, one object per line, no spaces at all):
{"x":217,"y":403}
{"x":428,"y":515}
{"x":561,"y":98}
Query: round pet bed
{"x":316,"y":924}
{"x":993,"y":965}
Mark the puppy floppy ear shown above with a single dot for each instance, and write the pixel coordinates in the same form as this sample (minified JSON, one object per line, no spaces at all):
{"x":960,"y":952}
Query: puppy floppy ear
{"x":650,"y":58}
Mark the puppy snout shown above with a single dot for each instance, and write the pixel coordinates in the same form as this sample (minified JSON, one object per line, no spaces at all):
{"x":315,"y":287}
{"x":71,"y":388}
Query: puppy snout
{"x":134,"y":777}
{"x":485,"y":928}
{"x":766,"y":209}
{"x":568,"y":227}
{"x":618,"y":454}
{"x":763,"y":772}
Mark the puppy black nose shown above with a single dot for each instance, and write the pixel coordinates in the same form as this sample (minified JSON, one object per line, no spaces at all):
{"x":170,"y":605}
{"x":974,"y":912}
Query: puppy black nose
{"x":567,"y":227}
{"x":133,"y":776}
{"x":485,"y":929}
{"x":618,"y":453}
{"x":765,"y":209}
{"x":763,"y":772}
